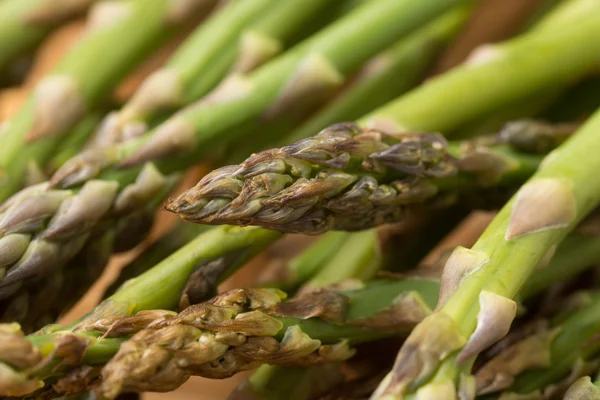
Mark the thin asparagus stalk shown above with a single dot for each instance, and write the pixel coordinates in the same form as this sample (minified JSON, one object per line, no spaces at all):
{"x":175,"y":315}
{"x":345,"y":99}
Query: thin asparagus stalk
{"x":153,"y":290}
{"x":476,"y":308}
{"x":331,"y":51}
{"x":216,"y":252}
{"x":282,"y":332}
{"x":497,"y":75}
{"x":61,"y":99}
{"x":275,"y":382}
{"x":177,"y":237}
{"x":290,"y":275}
{"x":348,"y":178}
{"x":359,"y":258}
{"x":541,"y":360}
{"x":380,"y":82}
{"x":375,"y":84}
{"x":239,"y":38}
{"x":25,"y":23}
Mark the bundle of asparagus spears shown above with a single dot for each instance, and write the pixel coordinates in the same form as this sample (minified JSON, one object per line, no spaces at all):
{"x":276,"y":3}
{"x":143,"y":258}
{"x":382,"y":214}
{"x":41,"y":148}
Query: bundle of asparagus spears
{"x":337,"y":163}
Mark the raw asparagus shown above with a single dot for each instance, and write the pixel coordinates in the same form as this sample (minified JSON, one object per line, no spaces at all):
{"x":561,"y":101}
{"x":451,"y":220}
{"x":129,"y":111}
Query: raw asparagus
{"x":25,"y":23}
{"x":124,"y":189}
{"x":61,"y":99}
{"x":152,"y":291}
{"x":476,"y":305}
{"x":267,"y":331}
{"x":239,"y":38}
{"x":542,"y":64}
{"x":349,"y":178}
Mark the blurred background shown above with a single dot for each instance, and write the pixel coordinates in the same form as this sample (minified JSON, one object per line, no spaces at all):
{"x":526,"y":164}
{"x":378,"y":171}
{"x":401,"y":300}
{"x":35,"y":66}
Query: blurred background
{"x":494,"y":20}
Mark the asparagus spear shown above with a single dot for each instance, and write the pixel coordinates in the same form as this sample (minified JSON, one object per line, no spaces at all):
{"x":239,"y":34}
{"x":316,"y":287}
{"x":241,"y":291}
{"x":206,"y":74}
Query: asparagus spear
{"x":476,"y":306}
{"x":177,"y":237}
{"x":375,"y":84}
{"x":348,"y":178}
{"x":239,"y":38}
{"x":61,"y":99}
{"x":25,"y":23}
{"x":358,"y":259}
{"x":326,"y":51}
{"x":282,"y":332}
{"x":153,"y":291}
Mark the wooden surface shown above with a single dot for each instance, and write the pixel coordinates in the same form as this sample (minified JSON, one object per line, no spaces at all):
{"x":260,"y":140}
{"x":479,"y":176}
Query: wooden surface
{"x":494,"y":20}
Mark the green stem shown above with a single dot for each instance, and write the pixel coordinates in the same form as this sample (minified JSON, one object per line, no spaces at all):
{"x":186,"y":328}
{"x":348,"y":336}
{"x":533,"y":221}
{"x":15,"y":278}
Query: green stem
{"x":160,"y":287}
{"x":541,"y":59}
{"x":332,"y":51}
{"x":358,"y":258}
{"x":239,"y":38}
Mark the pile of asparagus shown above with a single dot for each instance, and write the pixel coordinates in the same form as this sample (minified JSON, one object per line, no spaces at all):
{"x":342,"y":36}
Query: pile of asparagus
{"x":313,"y":117}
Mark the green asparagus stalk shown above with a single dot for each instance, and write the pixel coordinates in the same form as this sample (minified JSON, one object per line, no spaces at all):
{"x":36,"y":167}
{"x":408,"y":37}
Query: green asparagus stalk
{"x":25,"y":23}
{"x":379,"y":82}
{"x":239,"y":38}
{"x":153,"y":290}
{"x":62,"y":98}
{"x":215,"y":254}
{"x":349,"y":178}
{"x":493,"y":77}
{"x":331,"y":51}
{"x":177,"y":237}
{"x":290,"y":333}
{"x":359,"y":258}
{"x":290,"y":275}
{"x":476,"y":307}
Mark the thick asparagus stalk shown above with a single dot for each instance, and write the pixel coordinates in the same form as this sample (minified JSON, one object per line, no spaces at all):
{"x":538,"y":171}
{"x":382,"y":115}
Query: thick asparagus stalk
{"x":476,"y":307}
{"x":61,"y":99}
{"x":374,"y":85}
{"x":25,"y":23}
{"x":177,"y":237}
{"x":239,"y":38}
{"x":275,"y":84}
{"x":153,"y":290}
{"x":234,"y":331}
{"x":348,"y":178}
